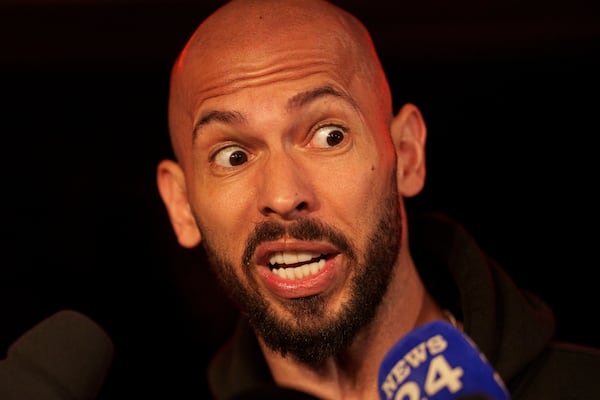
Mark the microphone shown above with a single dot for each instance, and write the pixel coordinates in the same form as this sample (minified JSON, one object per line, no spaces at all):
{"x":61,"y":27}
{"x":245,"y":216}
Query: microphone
{"x":66,"y":356}
{"x":436,"y":361}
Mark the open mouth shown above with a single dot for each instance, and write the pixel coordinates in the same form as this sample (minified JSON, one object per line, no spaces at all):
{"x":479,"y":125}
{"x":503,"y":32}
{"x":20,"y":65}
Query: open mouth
{"x":296,"y":264}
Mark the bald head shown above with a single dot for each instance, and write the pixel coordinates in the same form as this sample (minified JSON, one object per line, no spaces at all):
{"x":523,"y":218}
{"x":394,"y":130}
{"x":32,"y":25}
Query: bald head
{"x":246,"y":24}
{"x":249,"y":42}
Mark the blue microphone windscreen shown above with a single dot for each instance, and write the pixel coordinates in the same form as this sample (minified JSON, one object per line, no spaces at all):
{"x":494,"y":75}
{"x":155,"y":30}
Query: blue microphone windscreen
{"x":436,"y":361}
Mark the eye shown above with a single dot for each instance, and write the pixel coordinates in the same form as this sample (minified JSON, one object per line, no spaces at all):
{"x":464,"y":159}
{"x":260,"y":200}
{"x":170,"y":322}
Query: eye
{"x":232,"y":156}
{"x":328,"y":136}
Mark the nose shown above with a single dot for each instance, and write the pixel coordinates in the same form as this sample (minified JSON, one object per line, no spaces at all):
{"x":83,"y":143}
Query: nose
{"x":286,"y":189}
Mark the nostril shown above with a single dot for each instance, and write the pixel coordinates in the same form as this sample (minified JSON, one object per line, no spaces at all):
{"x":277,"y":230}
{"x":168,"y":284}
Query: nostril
{"x":302,"y":206}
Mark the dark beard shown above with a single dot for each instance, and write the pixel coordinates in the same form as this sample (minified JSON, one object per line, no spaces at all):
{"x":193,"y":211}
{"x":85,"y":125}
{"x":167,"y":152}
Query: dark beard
{"x":314,"y":335}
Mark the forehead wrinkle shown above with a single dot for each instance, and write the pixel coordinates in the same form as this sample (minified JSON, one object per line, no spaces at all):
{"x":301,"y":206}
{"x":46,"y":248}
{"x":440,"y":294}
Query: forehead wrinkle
{"x":232,"y":76}
{"x":224,"y":117}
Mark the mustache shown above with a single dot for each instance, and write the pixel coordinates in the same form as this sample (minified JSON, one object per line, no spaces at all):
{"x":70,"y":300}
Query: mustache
{"x":302,"y":229}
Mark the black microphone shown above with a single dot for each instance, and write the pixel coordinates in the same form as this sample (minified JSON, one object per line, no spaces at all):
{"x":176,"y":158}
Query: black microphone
{"x":437,"y":362}
{"x":66,"y":356}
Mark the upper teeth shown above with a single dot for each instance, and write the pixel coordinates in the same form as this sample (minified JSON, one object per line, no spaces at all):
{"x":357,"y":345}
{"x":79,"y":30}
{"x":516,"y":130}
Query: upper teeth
{"x":301,"y":271}
{"x":292,"y":257}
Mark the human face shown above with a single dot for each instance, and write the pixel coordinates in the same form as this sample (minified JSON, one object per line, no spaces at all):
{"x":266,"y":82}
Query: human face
{"x":291,"y":180}
{"x":302,"y":184}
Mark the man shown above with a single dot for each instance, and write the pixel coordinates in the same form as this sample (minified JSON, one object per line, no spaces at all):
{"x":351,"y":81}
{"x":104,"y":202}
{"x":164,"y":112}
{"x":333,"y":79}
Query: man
{"x":291,"y":170}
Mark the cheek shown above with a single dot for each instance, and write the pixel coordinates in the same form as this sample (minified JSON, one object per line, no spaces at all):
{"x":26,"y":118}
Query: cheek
{"x":355,"y":193}
{"x":223,"y":217}
{"x":373,"y":166}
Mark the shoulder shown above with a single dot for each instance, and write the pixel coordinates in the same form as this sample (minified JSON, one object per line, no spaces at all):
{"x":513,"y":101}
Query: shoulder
{"x":561,"y":371}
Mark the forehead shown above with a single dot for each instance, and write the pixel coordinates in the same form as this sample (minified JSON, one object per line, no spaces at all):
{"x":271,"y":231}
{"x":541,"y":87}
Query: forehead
{"x":212,"y":69}
{"x":292,"y":69}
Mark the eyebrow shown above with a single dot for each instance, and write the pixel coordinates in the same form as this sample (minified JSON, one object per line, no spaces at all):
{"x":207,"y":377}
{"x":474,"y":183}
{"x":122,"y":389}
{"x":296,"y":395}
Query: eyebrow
{"x":297,"y":101}
{"x":226,"y":117}
{"x":302,"y":99}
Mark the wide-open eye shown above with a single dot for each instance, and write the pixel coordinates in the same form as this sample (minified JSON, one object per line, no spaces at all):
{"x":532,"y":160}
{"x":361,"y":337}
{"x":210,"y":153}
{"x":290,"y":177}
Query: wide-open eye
{"x":232,"y":156}
{"x":328,"y":136}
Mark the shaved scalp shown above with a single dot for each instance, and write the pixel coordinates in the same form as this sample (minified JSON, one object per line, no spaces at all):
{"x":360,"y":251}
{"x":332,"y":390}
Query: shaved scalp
{"x":244,"y":32}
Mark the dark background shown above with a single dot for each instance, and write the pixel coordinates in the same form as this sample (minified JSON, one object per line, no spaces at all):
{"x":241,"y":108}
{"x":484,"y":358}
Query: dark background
{"x":510,"y":91}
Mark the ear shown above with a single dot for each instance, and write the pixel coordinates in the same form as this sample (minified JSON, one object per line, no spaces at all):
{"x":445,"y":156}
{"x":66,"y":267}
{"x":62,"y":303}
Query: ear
{"x":408,"y":134}
{"x":172,"y":188}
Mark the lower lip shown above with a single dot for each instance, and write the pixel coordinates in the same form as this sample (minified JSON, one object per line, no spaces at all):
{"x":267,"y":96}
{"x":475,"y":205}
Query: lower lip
{"x":293,"y":289}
